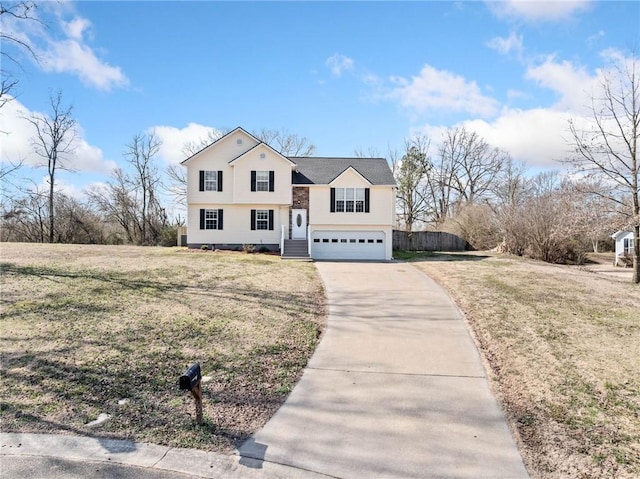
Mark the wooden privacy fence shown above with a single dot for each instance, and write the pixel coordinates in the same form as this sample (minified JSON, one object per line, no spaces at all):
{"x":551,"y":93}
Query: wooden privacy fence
{"x":427,"y":241}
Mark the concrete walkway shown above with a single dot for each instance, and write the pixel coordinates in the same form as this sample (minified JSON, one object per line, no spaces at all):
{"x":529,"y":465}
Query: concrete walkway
{"x":395,"y":390}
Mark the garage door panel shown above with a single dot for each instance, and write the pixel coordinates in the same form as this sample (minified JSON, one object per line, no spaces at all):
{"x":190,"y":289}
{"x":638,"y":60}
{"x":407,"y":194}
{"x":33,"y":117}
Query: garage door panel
{"x":348,"y":245}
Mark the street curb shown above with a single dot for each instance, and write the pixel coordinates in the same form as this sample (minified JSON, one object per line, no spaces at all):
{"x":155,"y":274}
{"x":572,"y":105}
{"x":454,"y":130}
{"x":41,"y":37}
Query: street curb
{"x":151,"y":456}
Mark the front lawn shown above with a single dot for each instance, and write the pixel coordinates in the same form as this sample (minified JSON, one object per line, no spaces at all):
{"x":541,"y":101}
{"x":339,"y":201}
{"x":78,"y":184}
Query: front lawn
{"x":109,"y":329}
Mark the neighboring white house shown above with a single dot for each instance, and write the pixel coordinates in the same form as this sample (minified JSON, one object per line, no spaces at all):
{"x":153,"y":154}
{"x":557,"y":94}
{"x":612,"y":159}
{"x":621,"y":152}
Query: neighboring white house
{"x":241,"y":191}
{"x":624,"y":244}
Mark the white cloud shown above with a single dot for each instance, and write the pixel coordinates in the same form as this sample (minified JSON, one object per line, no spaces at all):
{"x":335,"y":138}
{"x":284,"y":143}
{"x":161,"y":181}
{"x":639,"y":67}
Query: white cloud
{"x":514,"y":94}
{"x":537,"y":10}
{"x":538,"y":137}
{"x":62,"y":46}
{"x":338,"y":63}
{"x":572,"y":83}
{"x":511,"y":45}
{"x":76,"y":27}
{"x":174,"y":140}
{"x":441,"y":90}
{"x":74,"y":55}
{"x":62,"y":186}
{"x":17,"y":134}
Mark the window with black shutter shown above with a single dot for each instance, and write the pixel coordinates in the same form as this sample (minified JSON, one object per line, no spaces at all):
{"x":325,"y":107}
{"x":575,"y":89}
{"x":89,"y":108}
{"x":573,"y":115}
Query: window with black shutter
{"x":210,"y":219}
{"x":210,"y":180}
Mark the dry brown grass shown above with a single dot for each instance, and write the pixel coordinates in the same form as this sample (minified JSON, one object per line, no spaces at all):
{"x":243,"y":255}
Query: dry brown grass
{"x":84,"y":327}
{"x":563,"y":344}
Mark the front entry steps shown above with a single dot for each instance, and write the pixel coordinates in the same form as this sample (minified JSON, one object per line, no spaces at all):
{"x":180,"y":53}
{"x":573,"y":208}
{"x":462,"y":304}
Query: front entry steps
{"x":296,"y":249}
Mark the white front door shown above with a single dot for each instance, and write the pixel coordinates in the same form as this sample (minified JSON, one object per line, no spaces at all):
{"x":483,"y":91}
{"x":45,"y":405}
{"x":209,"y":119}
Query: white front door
{"x":298,"y":224}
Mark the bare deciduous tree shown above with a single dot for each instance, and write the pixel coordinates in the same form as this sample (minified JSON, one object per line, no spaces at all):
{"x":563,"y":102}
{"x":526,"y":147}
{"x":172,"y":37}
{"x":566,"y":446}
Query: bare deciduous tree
{"x":511,"y":186}
{"x":12,"y":11}
{"x":117,"y":203}
{"x":7,"y":170}
{"x":177,"y":187}
{"x":192,"y":147}
{"x":54,"y":141}
{"x":474,"y":164}
{"x":145,"y":183}
{"x":607,"y":149}
{"x":25,"y":218}
{"x":289,"y":144}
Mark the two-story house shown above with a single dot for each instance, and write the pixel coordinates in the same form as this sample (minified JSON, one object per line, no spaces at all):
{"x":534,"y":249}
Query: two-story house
{"x":241,"y":191}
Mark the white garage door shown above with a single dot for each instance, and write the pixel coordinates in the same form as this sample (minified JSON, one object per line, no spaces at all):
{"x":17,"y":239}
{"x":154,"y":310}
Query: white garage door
{"x":348,"y":245}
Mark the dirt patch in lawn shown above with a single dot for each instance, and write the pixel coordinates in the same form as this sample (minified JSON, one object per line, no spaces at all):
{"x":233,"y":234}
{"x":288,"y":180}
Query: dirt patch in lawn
{"x":563,"y":346}
{"x":109,"y":329}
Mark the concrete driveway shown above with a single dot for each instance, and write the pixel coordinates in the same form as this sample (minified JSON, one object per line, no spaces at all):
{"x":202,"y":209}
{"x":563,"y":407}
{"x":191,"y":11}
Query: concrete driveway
{"x":395,"y":389}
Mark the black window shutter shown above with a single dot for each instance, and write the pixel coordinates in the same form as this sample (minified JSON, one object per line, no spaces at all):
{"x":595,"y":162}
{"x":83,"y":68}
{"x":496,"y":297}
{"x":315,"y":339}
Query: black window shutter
{"x":220,"y":182}
{"x":201,"y":181}
{"x":253,"y":219}
{"x":333,"y":200}
{"x":219,"y":219}
{"x":272,"y":182}
{"x":253,"y":181}
{"x":201,"y":218}
{"x":270,"y":219}
{"x":366,"y":200}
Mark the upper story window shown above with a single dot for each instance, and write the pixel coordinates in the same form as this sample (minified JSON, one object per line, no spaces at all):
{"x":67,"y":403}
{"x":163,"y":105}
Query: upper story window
{"x":350,"y":200}
{"x":262,"y":180}
{"x":210,"y":180}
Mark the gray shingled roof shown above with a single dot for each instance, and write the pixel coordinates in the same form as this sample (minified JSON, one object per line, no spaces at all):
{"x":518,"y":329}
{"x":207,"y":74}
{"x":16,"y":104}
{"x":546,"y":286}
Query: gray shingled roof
{"x":322,"y":171}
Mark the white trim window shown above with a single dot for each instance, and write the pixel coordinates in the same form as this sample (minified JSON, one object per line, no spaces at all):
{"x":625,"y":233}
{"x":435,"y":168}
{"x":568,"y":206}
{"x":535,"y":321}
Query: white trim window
{"x":627,"y":246}
{"x":210,"y":180}
{"x":349,"y":200}
{"x":262,"y":219}
{"x":211,"y":219}
{"x":262,"y":181}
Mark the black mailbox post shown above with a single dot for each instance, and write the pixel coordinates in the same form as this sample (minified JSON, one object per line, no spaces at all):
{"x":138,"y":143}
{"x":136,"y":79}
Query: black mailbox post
{"x":191,"y":380}
{"x":191,"y":377}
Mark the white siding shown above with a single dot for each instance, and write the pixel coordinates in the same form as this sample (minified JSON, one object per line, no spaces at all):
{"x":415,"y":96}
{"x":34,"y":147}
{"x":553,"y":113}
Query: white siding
{"x":255,"y":161}
{"x":236,"y":225}
{"x":381,"y":207}
{"x":216,"y":158}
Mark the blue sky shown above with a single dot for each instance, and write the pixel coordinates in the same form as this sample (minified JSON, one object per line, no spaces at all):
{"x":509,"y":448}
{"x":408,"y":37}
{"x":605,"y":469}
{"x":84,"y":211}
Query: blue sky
{"x":346,"y":75}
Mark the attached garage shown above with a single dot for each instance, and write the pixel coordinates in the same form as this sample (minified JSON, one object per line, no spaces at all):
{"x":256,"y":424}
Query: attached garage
{"x":348,"y":245}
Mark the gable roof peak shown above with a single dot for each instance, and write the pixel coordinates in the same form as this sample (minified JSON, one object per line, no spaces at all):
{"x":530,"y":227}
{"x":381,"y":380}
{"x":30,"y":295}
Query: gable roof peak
{"x":229,"y":133}
{"x":267,"y":146}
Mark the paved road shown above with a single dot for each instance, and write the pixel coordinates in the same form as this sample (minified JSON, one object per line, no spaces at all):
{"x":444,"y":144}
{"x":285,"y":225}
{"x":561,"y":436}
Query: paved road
{"x":395,"y":389}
